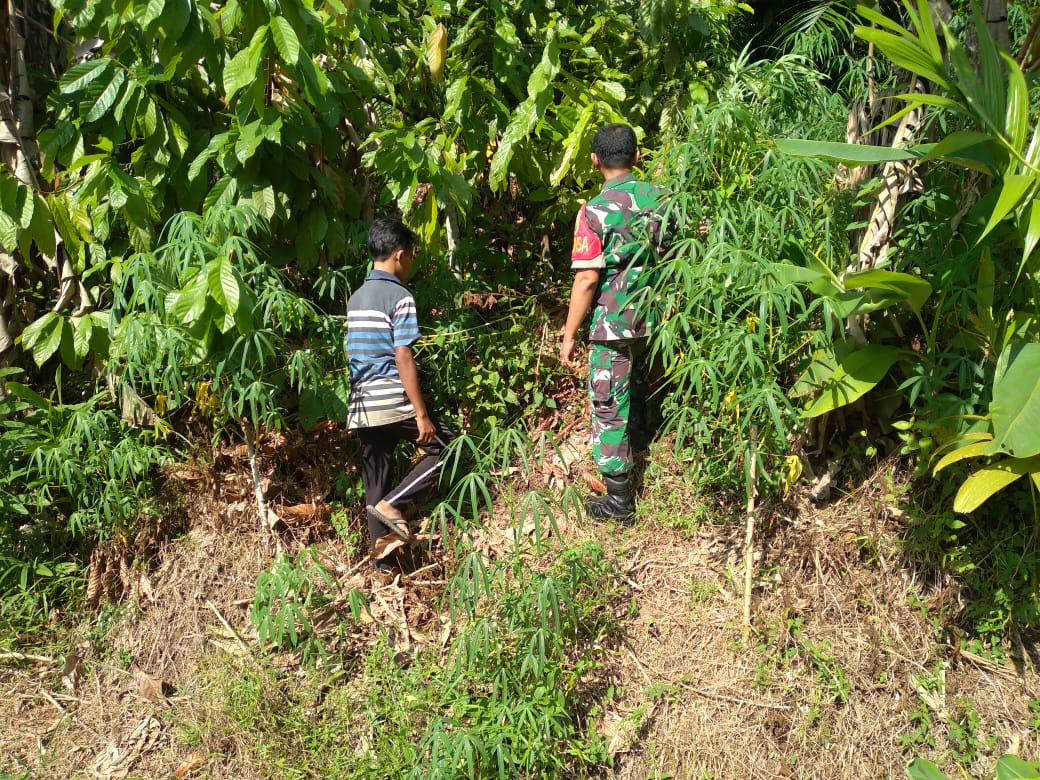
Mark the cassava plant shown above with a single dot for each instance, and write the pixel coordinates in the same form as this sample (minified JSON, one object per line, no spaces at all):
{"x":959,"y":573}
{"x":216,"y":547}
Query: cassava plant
{"x":730,"y":328}
{"x":205,"y":322}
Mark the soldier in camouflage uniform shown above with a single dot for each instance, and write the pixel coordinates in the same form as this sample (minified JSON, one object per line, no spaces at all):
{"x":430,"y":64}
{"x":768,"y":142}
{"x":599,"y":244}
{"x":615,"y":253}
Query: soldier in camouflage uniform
{"x":617,"y":234}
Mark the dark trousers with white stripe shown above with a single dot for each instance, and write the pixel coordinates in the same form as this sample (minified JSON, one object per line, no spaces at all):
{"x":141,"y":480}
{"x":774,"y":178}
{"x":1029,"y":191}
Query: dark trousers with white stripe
{"x":377,"y":466}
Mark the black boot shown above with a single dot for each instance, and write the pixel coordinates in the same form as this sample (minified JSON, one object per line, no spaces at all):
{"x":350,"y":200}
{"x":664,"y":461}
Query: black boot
{"x":617,"y":503}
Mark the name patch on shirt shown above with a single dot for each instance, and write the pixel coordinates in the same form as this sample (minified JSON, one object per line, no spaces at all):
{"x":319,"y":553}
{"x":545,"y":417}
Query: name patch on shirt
{"x":587,"y":245}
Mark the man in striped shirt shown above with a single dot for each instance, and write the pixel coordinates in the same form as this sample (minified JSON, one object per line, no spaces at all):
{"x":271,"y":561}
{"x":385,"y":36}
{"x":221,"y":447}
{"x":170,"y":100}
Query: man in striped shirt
{"x":386,"y":403}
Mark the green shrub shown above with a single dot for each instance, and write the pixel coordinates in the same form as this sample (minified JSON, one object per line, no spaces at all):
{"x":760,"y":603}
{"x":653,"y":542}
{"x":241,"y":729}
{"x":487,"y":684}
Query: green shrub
{"x":732,"y":331}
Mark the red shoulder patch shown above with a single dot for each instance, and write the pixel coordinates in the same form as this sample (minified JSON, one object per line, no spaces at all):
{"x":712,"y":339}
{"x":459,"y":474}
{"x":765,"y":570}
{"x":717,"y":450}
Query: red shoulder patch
{"x":587,"y":245}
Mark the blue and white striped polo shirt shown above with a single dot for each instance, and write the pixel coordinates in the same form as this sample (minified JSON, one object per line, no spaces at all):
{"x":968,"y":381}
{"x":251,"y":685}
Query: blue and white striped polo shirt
{"x":380,"y":317}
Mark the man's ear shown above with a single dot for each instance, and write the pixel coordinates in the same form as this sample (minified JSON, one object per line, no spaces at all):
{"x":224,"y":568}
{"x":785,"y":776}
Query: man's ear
{"x":595,"y":159}
{"x":638,"y":155}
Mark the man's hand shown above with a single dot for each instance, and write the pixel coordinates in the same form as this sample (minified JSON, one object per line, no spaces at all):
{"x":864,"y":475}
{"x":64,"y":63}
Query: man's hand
{"x":583,"y":292}
{"x":567,"y":350}
{"x":427,"y":431}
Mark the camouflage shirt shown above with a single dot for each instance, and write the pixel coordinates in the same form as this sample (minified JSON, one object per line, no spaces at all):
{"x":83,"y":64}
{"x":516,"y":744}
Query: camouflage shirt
{"x":617,"y":232}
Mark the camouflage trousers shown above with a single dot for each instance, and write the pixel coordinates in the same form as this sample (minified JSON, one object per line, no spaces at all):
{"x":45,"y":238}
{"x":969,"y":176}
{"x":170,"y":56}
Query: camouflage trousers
{"x":615,"y":389}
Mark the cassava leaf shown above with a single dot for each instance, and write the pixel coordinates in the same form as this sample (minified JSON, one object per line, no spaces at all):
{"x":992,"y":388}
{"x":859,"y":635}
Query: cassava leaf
{"x":223,"y":284}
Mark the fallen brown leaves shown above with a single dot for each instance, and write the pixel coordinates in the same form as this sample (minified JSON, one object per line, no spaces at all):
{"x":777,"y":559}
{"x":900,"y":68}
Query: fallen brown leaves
{"x":594,"y":482}
{"x":71,"y":672}
{"x":191,"y":762}
{"x":150,"y":686}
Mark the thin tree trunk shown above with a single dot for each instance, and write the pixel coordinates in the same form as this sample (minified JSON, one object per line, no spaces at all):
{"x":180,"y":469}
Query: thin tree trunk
{"x":896,"y":178}
{"x":13,"y":156}
{"x":17,"y":116}
{"x":18,"y":154}
{"x":995,"y":13}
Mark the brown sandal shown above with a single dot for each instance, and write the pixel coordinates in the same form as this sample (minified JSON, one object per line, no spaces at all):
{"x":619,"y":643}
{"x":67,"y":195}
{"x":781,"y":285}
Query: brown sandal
{"x":396,"y":525}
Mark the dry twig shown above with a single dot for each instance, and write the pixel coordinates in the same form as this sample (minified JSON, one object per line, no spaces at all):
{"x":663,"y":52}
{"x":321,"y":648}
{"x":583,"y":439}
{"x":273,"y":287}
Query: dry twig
{"x":227,"y":627}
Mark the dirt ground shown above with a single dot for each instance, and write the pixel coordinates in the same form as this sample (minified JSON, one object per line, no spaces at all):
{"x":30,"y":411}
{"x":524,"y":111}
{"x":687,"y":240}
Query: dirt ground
{"x":841,"y":667}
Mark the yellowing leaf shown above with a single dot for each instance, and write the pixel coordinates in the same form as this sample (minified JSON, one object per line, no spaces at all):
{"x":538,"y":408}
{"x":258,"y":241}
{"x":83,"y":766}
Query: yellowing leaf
{"x":437,"y":52}
{"x":990,"y":480}
{"x":974,"y":450}
{"x":791,"y":472}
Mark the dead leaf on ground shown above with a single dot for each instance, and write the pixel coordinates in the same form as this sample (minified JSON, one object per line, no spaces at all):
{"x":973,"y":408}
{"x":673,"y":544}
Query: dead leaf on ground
{"x":230,"y":647}
{"x":272,"y":442}
{"x":114,"y":762}
{"x":388,"y":544}
{"x":622,"y":732}
{"x":186,"y":475}
{"x":149,"y":686}
{"x":145,"y":588}
{"x":70,"y":673}
{"x":303,"y":511}
{"x":594,"y":482}
{"x":190,"y":762}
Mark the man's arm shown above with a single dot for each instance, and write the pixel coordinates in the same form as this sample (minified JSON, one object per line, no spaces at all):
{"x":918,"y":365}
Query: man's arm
{"x":583,"y":293}
{"x":410,"y":379}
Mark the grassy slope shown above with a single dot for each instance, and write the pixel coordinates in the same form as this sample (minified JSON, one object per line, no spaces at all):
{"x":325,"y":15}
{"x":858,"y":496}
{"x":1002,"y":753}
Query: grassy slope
{"x":847,"y":671}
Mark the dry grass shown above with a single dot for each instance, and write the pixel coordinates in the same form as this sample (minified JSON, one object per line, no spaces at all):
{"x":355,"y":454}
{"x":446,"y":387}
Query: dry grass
{"x":825,"y":684}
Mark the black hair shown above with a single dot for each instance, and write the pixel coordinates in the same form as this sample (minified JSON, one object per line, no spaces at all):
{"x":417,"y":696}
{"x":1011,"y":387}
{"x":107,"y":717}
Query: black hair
{"x":386,"y":235}
{"x":615,"y":145}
